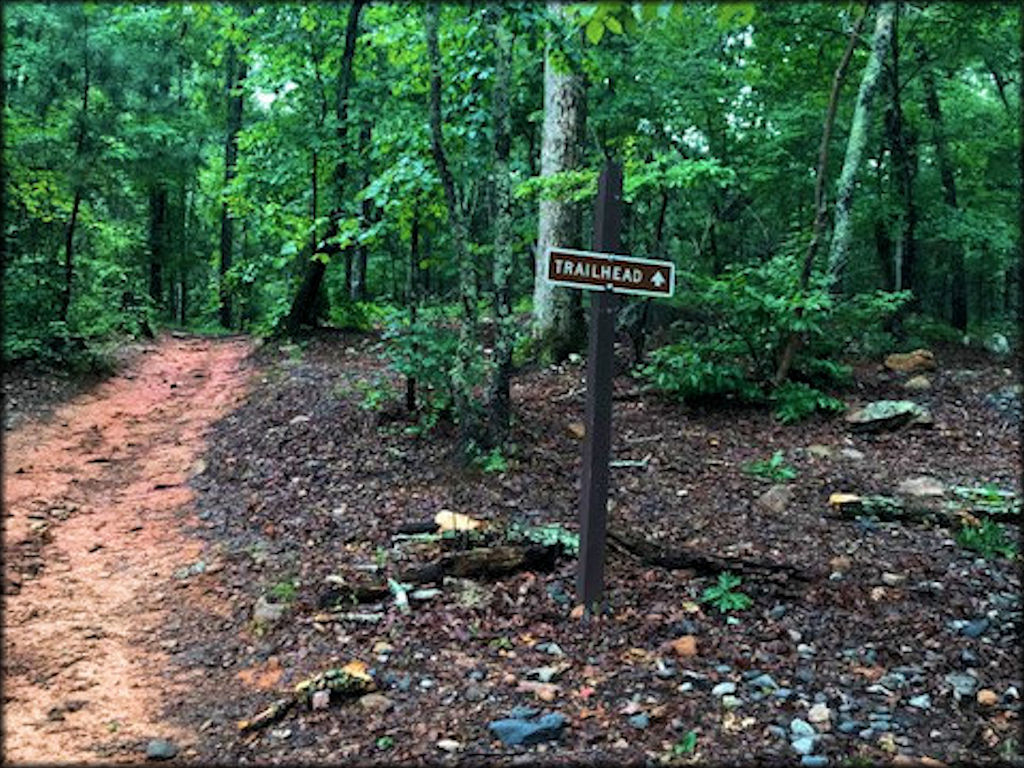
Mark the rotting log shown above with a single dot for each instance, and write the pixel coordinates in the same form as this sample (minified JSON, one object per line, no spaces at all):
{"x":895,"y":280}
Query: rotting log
{"x":484,"y":562}
{"x":705,"y":563}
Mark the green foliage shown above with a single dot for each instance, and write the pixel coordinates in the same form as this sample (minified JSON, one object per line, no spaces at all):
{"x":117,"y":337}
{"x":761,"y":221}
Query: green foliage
{"x":690,"y":369}
{"x":284,"y":591}
{"x":795,"y":401}
{"x":988,"y":499}
{"x":685,"y":745}
{"x":375,"y":393}
{"x":384,"y":743}
{"x":547,"y":535}
{"x":492,"y":462}
{"x":357,"y":315}
{"x":723,"y":594}
{"x":775,"y":468}
{"x":988,"y":538}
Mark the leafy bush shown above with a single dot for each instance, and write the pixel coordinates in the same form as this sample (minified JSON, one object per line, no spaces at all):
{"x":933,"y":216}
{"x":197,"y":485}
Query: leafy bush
{"x":774,"y":468}
{"x":494,"y":461}
{"x":988,"y":538}
{"x":722,"y":595}
{"x":795,"y":401}
{"x":356,"y":315}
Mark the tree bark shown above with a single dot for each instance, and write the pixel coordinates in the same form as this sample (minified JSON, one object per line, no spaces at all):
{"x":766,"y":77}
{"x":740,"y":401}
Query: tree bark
{"x":357,"y":286}
{"x":412,"y":299}
{"x":157,"y":241}
{"x":234,"y":75}
{"x":557,"y":313}
{"x":842,"y":231}
{"x":820,"y":204}
{"x":499,"y":404}
{"x":302,"y":309}
{"x":465,"y":357}
{"x":933,"y":108}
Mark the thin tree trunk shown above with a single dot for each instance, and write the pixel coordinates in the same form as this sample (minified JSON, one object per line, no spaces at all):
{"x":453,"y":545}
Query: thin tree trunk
{"x":302,"y":309}
{"x":557,"y":312}
{"x":820,"y":204}
{"x":467,"y":347}
{"x":69,"y":235}
{"x":157,"y":241}
{"x":235,"y":74}
{"x":843,"y":228}
{"x":412,"y":299}
{"x":958,"y":297}
{"x":499,"y":403}
{"x":357,"y":286}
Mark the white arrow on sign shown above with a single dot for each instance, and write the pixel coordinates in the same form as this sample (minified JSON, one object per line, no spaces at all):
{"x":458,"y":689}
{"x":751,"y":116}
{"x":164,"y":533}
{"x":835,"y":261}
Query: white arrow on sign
{"x":658,"y":279}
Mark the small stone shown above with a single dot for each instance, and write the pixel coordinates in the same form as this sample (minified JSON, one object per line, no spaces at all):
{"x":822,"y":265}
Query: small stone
{"x":723,"y":669}
{"x":968,"y":657}
{"x":924,"y":701}
{"x":731,"y":702}
{"x":782,"y":693}
{"x":805,"y":650}
{"x":986,"y":697}
{"x":921,"y":487}
{"x":911,"y":362}
{"x":852,"y":454}
{"x":640,"y":721}
{"x":266,"y":612}
{"x":893,"y":579}
{"x":776,"y":499}
{"x":576,"y":429}
{"x":849,"y":726}
{"x":867,"y":734}
{"x":962,"y":684}
{"x":375,"y":702}
{"x":426,"y":683}
{"x":840,"y":563}
{"x":803,"y":745}
{"x":819,"y":713}
{"x":449,"y":745}
{"x":523,"y":713}
{"x":512,"y":731}
{"x":764,"y":681}
{"x":777,"y":612}
{"x":997,"y":344}
{"x":723,"y":688}
{"x":917,"y":384}
{"x":160,"y":749}
{"x":778,"y":731}
{"x":320,"y":699}
{"x":801,"y":727}
{"x":814,"y":761}
{"x":424,"y":594}
{"x":819,"y":451}
{"x":975,"y":628}
{"x":474,"y":693}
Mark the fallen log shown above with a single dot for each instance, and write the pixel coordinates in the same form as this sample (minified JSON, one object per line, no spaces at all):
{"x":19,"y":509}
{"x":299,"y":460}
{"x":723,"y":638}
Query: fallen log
{"x":484,"y":562}
{"x":705,"y":563}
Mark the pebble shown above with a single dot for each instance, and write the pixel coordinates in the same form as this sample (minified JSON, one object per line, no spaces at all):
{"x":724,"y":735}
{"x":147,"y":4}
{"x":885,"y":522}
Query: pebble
{"x":731,"y":702}
{"x":963,"y":685}
{"x":924,"y":701}
{"x":782,"y":693}
{"x":640,"y":721}
{"x":804,"y":745}
{"x":801,"y":727}
{"x":968,"y":657}
{"x":523,"y":713}
{"x":449,"y":745}
{"x":723,"y":688}
{"x":512,"y":731}
{"x":160,"y":749}
{"x":819,"y":713}
{"x":764,"y":681}
{"x":375,"y":702}
{"x":814,"y":761}
{"x":975,"y":628}
{"x":663,"y":670}
{"x":849,"y":726}
{"x":778,"y":731}
{"x":867,"y":733}
{"x":893,"y":579}
{"x":320,"y":699}
{"x":777,"y":612}
{"x":723,"y":669}
{"x":474,"y":693}
{"x":892,"y":680}
{"x":987,"y":697}
{"x":426,"y":683}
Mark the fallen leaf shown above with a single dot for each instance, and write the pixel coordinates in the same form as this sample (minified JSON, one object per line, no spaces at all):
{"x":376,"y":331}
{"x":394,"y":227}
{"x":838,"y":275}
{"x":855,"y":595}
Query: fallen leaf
{"x":685,"y":646}
{"x":577,"y":612}
{"x":986,"y":697}
{"x":455,"y":521}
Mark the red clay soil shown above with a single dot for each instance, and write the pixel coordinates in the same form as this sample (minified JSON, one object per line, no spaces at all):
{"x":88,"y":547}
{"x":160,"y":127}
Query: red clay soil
{"x":102,"y":485}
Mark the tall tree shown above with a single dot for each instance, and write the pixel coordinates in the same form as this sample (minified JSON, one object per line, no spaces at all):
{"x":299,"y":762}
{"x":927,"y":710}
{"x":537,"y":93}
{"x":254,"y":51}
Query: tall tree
{"x":558,"y":314}
{"x":842,"y":228}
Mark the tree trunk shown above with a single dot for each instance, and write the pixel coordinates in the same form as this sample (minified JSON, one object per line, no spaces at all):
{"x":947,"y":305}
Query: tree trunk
{"x":820,"y":204}
{"x":157,"y":241}
{"x":69,"y":234}
{"x":842,"y":230}
{"x":302,"y":309}
{"x":357,"y":286}
{"x":958,"y":297}
{"x":466,"y":355}
{"x":234,"y":75}
{"x":557,"y":312}
{"x":499,"y":404}
{"x":412,"y":299}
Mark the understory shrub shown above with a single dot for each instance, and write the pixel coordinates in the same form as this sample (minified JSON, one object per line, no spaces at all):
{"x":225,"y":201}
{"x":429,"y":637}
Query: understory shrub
{"x":747,"y":316}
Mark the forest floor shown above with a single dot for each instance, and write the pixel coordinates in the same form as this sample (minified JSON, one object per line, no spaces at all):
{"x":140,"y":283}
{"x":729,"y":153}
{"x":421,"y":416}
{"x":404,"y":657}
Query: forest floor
{"x":139,"y":606}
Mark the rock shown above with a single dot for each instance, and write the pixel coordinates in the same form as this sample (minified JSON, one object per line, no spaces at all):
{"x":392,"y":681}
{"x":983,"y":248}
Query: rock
{"x":552,"y":649}
{"x":986,"y":697}
{"x":577,"y":429}
{"x":921,"y":486}
{"x":299,"y":420}
{"x":924,"y":701}
{"x":814,"y":761}
{"x":777,"y":612}
{"x":160,"y":749}
{"x":776,"y":499}
{"x":474,"y":693}
{"x":893,"y":579}
{"x":640,"y":721}
{"x":782,"y":693}
{"x":512,"y":731}
{"x":917,"y":384}
{"x":778,"y":731}
{"x":997,"y":344}
{"x":867,"y":734}
{"x":320,"y":699}
{"x":546,"y":674}
{"x":911,"y":362}
{"x":685,"y":646}
{"x":962,"y":684}
{"x":375,"y":702}
{"x":523,"y":713}
{"x":449,"y":745}
{"x":893,"y":680}
{"x":764,"y":681}
{"x":852,"y":454}
{"x":975,"y":628}
{"x":819,"y":451}
{"x":426,"y":683}
{"x":723,"y":688}
{"x":266,"y":612}
{"x":803,"y":745}
{"x":849,"y":726}
{"x":819,"y":713}
{"x":801,"y":727}
{"x":424,"y":594}
{"x":731,"y":702}
{"x":882,"y":415}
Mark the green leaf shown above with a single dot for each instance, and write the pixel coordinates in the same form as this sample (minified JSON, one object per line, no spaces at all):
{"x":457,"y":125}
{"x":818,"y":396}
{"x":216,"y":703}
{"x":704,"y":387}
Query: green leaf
{"x":734,"y":14}
{"x":613,"y":25}
{"x":595,"y":31}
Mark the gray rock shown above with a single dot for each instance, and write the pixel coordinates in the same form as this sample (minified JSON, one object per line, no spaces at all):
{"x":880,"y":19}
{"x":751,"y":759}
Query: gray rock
{"x":723,"y":669}
{"x":160,"y":749}
{"x":764,"y":681}
{"x":892,"y":680}
{"x":782,"y":693}
{"x":778,"y":731}
{"x":852,"y":454}
{"x":924,"y":701}
{"x":731,"y":702}
{"x":849,"y":726}
{"x":975,"y":628}
{"x":921,"y":487}
{"x":544,"y":674}
{"x":814,"y":761}
{"x":962,"y":684}
{"x":426,"y":683}
{"x":867,"y":734}
{"x":523,"y":713}
{"x":819,"y":451}
{"x":882,"y":415}
{"x":777,"y":498}
{"x":917,"y":384}
{"x":803,"y":746}
{"x":640,"y":721}
{"x":512,"y":731}
{"x":777,"y":612}
{"x":723,"y":688}
{"x":801,"y":727}
{"x":968,"y":657}
{"x":266,"y":612}
{"x":998,"y":345}
{"x":474,"y":693}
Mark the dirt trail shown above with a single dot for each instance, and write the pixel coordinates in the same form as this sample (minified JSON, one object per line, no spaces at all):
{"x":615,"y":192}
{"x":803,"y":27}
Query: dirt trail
{"x":94,"y":506}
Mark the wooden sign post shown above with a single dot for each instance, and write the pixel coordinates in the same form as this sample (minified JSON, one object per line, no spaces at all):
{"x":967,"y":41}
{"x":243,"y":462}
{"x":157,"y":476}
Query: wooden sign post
{"x":607,"y":273}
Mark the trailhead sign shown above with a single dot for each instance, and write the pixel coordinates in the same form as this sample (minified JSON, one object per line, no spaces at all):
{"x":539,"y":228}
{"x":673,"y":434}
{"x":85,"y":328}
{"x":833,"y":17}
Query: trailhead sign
{"x":594,"y":270}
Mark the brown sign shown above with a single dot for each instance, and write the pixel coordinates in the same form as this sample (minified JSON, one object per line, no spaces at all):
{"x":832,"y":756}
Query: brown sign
{"x":592,"y":270}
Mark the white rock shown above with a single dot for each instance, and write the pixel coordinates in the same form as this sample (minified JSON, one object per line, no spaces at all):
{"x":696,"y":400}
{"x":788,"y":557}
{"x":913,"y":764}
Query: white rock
{"x":819,"y":713}
{"x":449,"y":745}
{"x":921,"y":486}
{"x":320,"y":699}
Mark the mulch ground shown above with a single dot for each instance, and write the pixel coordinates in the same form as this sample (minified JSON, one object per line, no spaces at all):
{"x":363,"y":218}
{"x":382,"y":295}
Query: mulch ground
{"x":301,"y":483}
